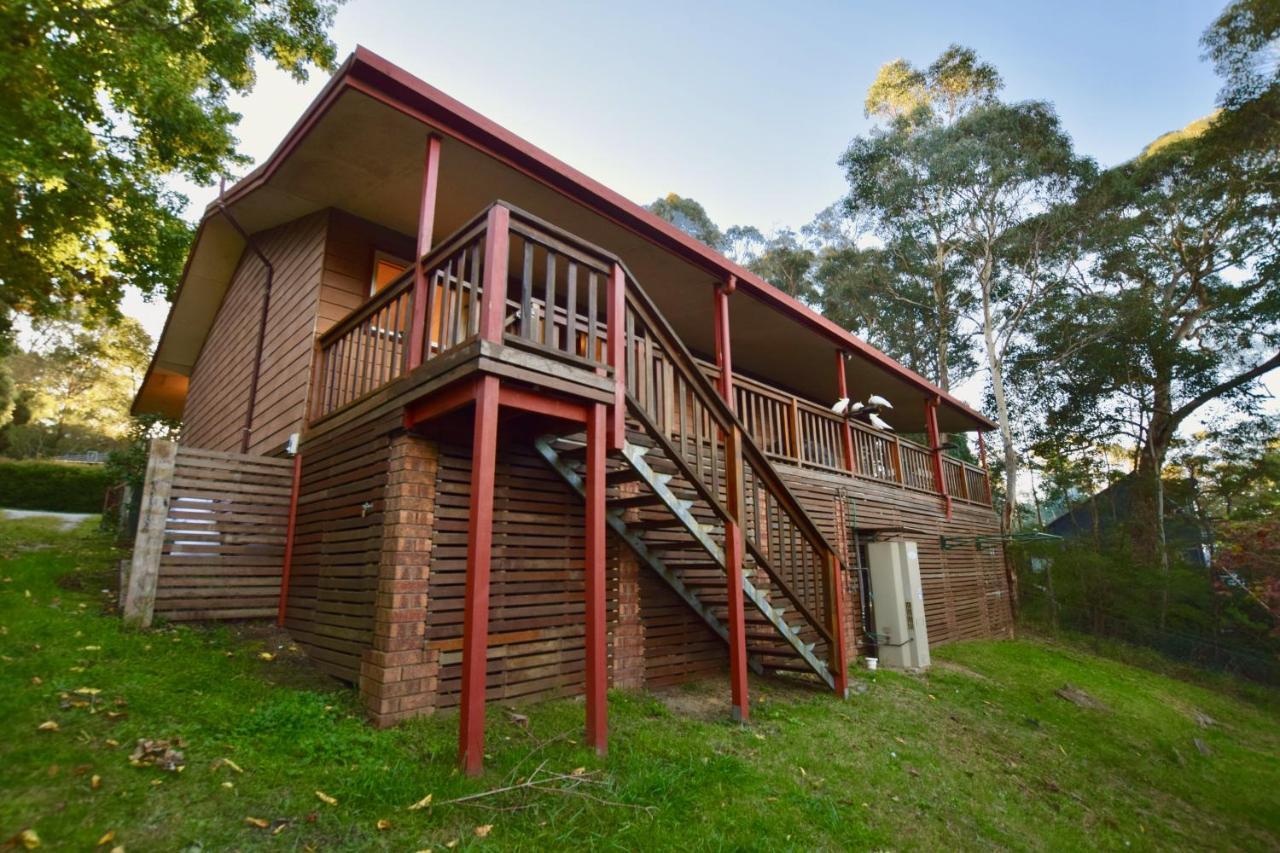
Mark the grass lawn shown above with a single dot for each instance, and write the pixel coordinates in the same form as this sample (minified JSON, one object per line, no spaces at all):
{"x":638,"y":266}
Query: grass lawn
{"x":979,"y":753}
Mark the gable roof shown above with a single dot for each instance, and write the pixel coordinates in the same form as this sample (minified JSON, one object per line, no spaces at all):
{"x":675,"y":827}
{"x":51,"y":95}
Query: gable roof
{"x":208,"y":268}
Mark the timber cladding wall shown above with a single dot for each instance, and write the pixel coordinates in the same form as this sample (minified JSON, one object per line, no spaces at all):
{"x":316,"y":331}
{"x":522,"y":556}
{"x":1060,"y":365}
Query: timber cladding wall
{"x":965,"y":590}
{"x":323,"y":268}
{"x":536,"y":605}
{"x":337,"y":545}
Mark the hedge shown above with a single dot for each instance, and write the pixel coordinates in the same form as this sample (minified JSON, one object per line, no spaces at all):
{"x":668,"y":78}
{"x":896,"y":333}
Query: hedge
{"x":52,"y":486}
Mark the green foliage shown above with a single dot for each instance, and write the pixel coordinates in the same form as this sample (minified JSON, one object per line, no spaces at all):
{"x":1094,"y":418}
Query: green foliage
{"x":52,"y":486}
{"x":1107,"y":590}
{"x":954,"y":83}
{"x":99,"y":104}
{"x":690,"y":217}
{"x":129,"y":465}
{"x":980,"y":748}
{"x":75,"y":384}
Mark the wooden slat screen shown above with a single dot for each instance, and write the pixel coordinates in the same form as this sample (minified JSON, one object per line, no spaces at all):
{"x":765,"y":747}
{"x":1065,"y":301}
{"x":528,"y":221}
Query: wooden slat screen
{"x":224,"y":536}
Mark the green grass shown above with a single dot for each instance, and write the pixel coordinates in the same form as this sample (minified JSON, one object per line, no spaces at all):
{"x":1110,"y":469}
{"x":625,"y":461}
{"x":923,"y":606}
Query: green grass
{"x":979,"y":753}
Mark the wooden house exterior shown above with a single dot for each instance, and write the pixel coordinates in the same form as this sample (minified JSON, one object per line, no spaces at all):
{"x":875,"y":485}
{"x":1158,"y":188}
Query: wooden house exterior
{"x":623,"y":471}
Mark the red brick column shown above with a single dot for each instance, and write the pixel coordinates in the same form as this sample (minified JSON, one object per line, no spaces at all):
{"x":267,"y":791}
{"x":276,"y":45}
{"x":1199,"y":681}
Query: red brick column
{"x":398,"y":675}
{"x":628,"y":636}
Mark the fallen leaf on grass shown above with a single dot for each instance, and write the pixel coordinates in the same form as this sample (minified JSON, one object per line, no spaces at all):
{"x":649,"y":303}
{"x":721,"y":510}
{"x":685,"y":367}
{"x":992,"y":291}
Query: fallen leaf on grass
{"x":384,"y":824}
{"x":452,"y":844}
{"x":47,"y":726}
{"x":578,"y":771}
{"x":325,"y":798}
{"x":482,"y":831}
{"x":258,"y":822}
{"x":107,"y":838}
{"x":422,"y":803}
{"x":37,"y":680}
{"x":96,"y":782}
{"x":111,"y":742}
{"x":162,"y":753}
{"x":227,"y":762}
{"x":29,"y":839}
{"x":518,"y":719}
{"x":267,"y":656}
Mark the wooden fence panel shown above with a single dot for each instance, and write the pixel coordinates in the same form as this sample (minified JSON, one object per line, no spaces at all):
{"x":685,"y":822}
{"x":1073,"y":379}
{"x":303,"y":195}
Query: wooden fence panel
{"x":211,"y":538}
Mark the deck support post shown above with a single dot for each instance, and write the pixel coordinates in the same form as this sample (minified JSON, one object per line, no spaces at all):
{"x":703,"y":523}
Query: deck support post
{"x":615,"y":306}
{"x":475,"y":626}
{"x":724,"y":350}
{"x":734,"y":546}
{"x":418,"y":341}
{"x":289,"y":535}
{"x":497,"y":245}
{"x":931,"y":425}
{"x":734,"y":542}
{"x":595,"y":584}
{"x":986,"y":472}
{"x":846,"y":431}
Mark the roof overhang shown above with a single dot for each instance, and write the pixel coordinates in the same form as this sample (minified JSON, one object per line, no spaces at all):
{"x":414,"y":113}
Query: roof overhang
{"x":359,"y":147}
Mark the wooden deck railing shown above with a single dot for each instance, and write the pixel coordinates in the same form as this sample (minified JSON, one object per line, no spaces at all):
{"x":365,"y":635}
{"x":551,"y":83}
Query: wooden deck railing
{"x":795,"y":431}
{"x":677,"y":404}
{"x":555,"y":303}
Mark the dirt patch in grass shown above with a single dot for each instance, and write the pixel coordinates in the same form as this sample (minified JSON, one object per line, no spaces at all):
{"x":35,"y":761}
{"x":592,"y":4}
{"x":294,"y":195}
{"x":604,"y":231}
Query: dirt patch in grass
{"x":959,"y":669}
{"x":284,"y":662}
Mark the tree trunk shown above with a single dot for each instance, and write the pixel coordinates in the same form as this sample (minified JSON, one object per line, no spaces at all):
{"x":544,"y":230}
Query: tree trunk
{"x":996,"y":366}
{"x":1147,"y":525}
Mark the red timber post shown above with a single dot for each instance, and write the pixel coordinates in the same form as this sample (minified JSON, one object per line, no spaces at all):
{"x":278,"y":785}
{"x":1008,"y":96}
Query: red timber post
{"x":616,"y":308}
{"x":289,"y":534}
{"x":484,"y":460}
{"x":931,"y":424}
{"x":846,"y":431}
{"x":595,"y":584}
{"x":734,"y":543}
{"x":426,"y":223}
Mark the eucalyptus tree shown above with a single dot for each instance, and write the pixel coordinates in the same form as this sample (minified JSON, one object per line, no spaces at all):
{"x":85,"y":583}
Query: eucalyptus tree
{"x":1015,"y":177}
{"x":101,"y":103}
{"x":902,"y":180}
{"x":1184,"y":307}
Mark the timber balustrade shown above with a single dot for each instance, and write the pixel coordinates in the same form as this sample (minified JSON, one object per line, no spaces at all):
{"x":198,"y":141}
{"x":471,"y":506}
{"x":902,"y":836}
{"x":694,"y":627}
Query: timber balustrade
{"x":555,"y":303}
{"x":669,"y":393}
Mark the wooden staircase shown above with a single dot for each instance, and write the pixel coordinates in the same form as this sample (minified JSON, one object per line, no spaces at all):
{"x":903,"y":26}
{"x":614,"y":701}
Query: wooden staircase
{"x":661,"y":525}
{"x":688,"y":472}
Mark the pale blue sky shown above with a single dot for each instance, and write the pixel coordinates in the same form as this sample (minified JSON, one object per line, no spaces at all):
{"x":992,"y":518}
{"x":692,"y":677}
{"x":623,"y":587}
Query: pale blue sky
{"x":747,"y":105}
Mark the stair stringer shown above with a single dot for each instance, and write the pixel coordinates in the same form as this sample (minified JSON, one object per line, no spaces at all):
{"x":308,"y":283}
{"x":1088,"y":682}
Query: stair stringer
{"x":634,"y":456}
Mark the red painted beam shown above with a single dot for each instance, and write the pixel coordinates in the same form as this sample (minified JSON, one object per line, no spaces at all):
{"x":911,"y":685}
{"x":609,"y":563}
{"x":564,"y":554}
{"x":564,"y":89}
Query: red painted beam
{"x":595,"y":585}
{"x":846,"y":431}
{"x":497,"y":246}
{"x":513,"y":397}
{"x":475,"y":620}
{"x":442,"y":402}
{"x":616,"y":306}
{"x":426,"y":225}
{"x":931,"y":424}
{"x":289,"y":534}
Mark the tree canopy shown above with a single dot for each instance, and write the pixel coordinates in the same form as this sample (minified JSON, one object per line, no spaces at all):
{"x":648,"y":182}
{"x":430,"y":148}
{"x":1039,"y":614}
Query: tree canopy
{"x":101,"y":103}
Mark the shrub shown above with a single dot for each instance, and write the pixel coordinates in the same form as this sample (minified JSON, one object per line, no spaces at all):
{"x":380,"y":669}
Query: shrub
{"x":52,"y":486}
